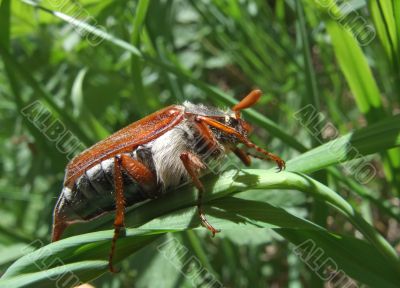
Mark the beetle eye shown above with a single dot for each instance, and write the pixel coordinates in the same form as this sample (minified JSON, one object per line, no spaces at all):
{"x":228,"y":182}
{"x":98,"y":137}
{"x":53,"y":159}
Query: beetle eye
{"x":233,"y":122}
{"x":246,"y":126}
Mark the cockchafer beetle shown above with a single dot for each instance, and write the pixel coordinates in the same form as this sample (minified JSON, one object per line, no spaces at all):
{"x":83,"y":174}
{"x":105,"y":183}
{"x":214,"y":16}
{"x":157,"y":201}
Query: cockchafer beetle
{"x":150,"y":156}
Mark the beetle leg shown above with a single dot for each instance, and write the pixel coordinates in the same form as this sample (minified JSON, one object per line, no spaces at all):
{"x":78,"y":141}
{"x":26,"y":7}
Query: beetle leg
{"x":244,"y":140}
{"x":139,"y":172}
{"x":242,"y":155}
{"x":245,"y":156}
{"x":120,"y":208}
{"x":206,"y":133}
{"x":192,"y":164}
{"x":143,"y":176}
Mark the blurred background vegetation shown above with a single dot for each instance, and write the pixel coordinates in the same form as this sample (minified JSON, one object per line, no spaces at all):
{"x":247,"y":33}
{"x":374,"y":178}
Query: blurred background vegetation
{"x":134,"y":57}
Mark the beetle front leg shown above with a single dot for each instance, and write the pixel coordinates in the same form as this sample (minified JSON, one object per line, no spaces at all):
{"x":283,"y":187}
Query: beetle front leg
{"x":143,"y":176}
{"x":245,"y":156}
{"x":229,"y":130}
{"x":192,"y":164}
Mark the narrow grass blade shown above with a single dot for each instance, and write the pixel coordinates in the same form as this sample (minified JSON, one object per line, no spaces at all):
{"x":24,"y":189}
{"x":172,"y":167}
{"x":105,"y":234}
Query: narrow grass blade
{"x":5,"y":8}
{"x":356,"y":70}
{"x":69,"y":253}
{"x":136,"y":62}
{"x":43,"y":95}
{"x":383,"y":13}
{"x":342,"y":256}
{"x":372,"y":139}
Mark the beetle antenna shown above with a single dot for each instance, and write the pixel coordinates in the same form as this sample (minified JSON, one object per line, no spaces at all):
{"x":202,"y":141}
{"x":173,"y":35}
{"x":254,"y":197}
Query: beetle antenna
{"x":247,"y":101}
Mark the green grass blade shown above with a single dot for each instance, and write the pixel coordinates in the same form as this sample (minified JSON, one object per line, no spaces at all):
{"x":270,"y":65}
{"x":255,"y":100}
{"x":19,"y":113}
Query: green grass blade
{"x":77,"y":93}
{"x":396,"y":11}
{"x":352,"y":62}
{"x":92,"y":247}
{"x":40,"y":93}
{"x":311,"y":97}
{"x":385,"y":21}
{"x":372,"y":139}
{"x":356,"y":258}
{"x":356,"y":70}
{"x":366,"y":193}
{"x":140,"y":105}
{"x":5,"y":8}
{"x":88,"y":28}
{"x":12,"y":77}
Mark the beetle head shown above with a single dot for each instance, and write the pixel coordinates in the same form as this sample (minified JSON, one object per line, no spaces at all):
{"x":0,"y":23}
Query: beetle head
{"x":233,"y":118}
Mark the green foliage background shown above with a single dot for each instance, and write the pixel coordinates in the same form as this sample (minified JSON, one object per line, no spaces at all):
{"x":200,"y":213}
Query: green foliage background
{"x":131,"y":58}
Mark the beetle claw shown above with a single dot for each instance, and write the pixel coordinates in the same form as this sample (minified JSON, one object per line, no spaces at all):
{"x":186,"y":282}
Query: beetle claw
{"x":214,"y":231}
{"x":281,"y":165}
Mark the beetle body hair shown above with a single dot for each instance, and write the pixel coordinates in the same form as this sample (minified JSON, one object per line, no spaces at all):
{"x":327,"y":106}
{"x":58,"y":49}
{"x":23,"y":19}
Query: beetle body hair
{"x":165,"y":154}
{"x":167,"y":149}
